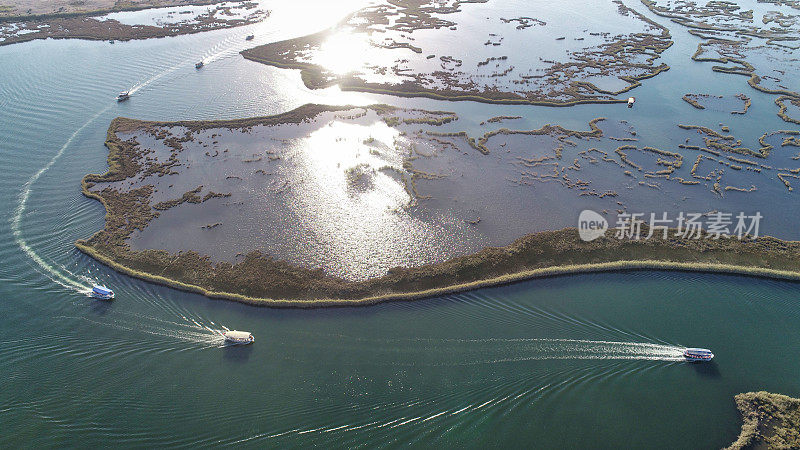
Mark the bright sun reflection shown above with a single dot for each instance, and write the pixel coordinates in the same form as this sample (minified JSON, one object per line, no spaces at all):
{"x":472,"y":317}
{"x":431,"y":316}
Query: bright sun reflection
{"x":343,"y":52}
{"x":340,"y":152}
{"x":352,"y":198}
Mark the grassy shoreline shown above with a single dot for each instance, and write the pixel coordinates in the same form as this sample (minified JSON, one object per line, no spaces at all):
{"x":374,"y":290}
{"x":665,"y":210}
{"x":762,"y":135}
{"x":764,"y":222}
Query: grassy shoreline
{"x":555,"y":271}
{"x":769,"y":421}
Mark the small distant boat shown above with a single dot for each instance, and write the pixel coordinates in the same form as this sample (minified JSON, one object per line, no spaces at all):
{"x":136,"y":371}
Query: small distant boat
{"x":102,"y":292}
{"x":698,"y":354}
{"x":124,"y":95}
{"x":238,"y":337}
{"x":631,"y":101}
{"x":199,"y":65}
{"x":250,"y":37}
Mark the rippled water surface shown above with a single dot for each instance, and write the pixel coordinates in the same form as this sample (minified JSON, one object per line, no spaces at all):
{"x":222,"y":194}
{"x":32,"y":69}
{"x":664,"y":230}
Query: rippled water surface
{"x":582,"y":361}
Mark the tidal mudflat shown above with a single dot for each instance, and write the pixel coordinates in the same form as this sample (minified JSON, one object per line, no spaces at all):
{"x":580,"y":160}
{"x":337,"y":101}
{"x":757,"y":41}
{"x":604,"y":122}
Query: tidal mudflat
{"x":471,"y":50}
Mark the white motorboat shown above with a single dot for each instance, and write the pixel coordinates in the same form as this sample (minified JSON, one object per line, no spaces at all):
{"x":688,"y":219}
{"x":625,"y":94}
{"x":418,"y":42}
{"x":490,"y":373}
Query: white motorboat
{"x":102,"y":292}
{"x":238,"y":337}
{"x":698,"y":354}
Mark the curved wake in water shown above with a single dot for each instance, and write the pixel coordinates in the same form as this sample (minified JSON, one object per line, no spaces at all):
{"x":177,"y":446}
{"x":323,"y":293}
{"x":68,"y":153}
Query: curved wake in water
{"x":60,"y":276}
{"x":186,"y":326}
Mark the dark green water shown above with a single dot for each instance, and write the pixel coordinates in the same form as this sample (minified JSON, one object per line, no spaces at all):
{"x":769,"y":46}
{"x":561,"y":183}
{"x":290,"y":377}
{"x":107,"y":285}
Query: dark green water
{"x":579,"y":361}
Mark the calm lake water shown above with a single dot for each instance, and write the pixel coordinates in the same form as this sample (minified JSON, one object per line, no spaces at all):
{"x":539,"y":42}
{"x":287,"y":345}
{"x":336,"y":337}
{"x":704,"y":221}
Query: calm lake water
{"x":580,"y":361}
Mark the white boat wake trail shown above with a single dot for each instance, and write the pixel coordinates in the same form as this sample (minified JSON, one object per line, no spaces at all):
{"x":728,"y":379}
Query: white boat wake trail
{"x":587,"y":349}
{"x":62,"y":277}
{"x":202,"y":335}
{"x":502,"y":350}
{"x":231,"y":48}
{"x":138,"y":86}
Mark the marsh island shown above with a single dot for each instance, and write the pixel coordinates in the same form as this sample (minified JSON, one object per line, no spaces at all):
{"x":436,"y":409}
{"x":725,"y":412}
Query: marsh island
{"x":346,"y":205}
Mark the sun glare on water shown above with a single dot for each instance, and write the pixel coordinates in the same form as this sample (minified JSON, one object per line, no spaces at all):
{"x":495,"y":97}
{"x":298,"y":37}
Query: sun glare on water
{"x":343,"y":53}
{"x":350,"y":150}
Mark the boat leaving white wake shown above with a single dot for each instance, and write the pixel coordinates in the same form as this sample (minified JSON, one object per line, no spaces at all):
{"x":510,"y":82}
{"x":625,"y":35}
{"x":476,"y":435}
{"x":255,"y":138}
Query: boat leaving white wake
{"x":585,"y":349}
{"x":64,"y":278}
{"x":498,"y":350}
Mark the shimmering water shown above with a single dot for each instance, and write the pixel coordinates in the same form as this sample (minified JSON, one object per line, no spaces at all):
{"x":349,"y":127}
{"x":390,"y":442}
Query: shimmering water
{"x":582,"y":361}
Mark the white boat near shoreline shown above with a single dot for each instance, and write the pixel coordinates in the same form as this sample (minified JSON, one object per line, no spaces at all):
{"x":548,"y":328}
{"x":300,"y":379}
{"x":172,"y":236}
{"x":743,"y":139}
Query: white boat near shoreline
{"x":238,"y":337}
{"x":102,"y":292}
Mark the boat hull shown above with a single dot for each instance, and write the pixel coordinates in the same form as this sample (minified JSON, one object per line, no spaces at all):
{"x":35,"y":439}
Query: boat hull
{"x":689,"y":359}
{"x":695,"y":356}
{"x":235,"y":341}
